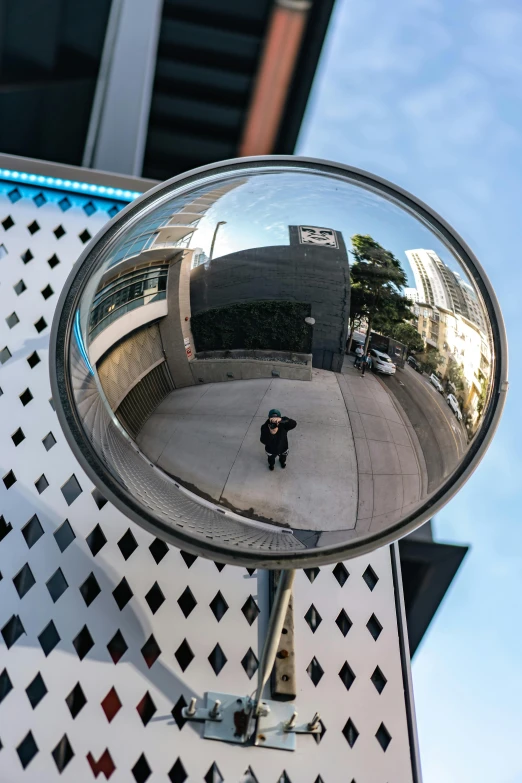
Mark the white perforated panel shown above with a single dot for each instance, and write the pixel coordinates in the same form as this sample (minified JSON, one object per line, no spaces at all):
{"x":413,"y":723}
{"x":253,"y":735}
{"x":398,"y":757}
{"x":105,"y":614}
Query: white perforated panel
{"x":106,"y":632}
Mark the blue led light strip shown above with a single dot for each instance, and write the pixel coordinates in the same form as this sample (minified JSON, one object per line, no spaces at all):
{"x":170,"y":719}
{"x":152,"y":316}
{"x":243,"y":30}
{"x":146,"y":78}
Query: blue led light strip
{"x":81,"y":347}
{"x":69,"y":184}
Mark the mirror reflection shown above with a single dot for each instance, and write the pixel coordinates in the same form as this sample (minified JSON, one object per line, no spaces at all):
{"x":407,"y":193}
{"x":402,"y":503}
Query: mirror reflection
{"x":288,"y":347}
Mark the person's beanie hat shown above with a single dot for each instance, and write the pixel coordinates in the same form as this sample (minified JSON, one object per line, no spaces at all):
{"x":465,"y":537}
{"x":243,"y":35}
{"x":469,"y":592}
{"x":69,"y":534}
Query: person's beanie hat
{"x":274,"y":412}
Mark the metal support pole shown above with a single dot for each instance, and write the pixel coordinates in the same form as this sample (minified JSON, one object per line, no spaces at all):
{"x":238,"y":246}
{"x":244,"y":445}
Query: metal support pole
{"x":275,"y":626}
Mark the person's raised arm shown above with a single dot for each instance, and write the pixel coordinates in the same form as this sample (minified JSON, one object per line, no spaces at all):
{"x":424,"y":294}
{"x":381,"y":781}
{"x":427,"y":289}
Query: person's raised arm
{"x":288,"y":424}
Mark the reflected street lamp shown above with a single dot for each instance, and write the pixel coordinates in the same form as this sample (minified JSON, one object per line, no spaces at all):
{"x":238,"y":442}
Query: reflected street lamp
{"x":220,"y":223}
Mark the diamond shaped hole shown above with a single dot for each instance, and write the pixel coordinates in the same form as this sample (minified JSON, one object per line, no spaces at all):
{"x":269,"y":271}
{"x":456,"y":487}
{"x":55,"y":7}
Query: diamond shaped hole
{"x":184,"y":655}
{"x":341,"y":574}
{"x":217,"y":659}
{"x":379,"y":680}
{"x":96,"y":540}
{"x":250,"y":663}
{"x":27,"y":750}
{"x":250,"y":609}
{"x":18,"y":436}
{"x":63,"y":753}
{"x":49,"y":638}
{"x":49,"y":441}
{"x":146,"y":708}
{"x":186,"y":601}
{"x":350,"y":732}
{"x":370,"y":577}
{"x":374,"y":627}
{"x":64,"y":535}
{"x":57,"y":585}
{"x":158,"y":549}
{"x":313,"y":618}
{"x":76,"y":700}
{"x":24,"y":580}
{"x":315,"y":671}
{"x":32,"y":531}
{"x":117,"y":647}
{"x":214,"y":775}
{"x":151,"y":651}
{"x":90,"y":589}
{"x":36,"y":690}
{"x":177,"y":773}
{"x":122,"y":594}
{"x":33,"y":360}
{"x":219,"y":606}
{"x":155,"y":598}
{"x":111,"y":704}
{"x":71,"y":490}
{"x":347,"y":676}
{"x":127,"y":544}
{"x":141,"y":770}
{"x":312,"y":574}
{"x":383,"y":737}
{"x":83,"y":643}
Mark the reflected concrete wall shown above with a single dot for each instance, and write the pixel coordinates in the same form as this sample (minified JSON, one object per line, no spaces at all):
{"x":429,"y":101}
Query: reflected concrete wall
{"x":298,"y":272}
{"x":174,"y":329}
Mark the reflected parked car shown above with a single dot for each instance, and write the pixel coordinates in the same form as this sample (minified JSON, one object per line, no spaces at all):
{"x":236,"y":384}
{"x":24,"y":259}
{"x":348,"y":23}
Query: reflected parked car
{"x":381,"y":362}
{"x":436,"y":382}
{"x":412,"y":361}
{"x":454,"y":405}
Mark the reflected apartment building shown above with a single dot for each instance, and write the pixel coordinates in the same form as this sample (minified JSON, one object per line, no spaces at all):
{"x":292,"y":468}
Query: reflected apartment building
{"x":450,"y":320}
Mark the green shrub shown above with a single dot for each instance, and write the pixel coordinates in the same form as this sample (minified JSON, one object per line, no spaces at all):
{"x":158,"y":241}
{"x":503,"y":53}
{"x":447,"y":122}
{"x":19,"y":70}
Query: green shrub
{"x":259,"y":325}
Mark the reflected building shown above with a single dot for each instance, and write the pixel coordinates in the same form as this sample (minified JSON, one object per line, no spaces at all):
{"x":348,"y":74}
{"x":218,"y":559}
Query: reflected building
{"x":450,"y":319}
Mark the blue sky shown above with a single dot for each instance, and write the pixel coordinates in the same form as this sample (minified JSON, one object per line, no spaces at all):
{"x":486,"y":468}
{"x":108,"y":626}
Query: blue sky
{"x":428,"y":93}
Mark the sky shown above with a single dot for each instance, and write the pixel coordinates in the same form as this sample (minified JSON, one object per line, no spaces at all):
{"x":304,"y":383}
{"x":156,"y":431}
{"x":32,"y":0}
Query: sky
{"x":428,"y":94}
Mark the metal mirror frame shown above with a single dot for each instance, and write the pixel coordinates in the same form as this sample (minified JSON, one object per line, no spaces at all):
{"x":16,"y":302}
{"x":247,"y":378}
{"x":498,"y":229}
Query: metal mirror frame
{"x":93,"y":466}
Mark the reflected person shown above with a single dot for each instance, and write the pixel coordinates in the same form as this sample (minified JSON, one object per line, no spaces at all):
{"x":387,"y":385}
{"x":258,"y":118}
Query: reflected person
{"x":366,"y":362}
{"x":274,"y":437}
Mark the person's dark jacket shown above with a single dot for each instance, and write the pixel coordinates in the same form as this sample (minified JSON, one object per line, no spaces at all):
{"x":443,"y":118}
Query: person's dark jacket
{"x":278,"y":443}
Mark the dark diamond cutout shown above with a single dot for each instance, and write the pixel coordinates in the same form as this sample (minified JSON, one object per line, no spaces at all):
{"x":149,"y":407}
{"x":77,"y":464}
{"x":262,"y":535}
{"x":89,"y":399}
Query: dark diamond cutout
{"x":40,"y":325}
{"x":189,"y":559}
{"x":319,"y":737}
{"x":141,"y":770}
{"x":250,"y":663}
{"x":5,"y":355}
{"x":12,"y":630}
{"x":374,"y":627}
{"x":214,"y":775}
{"x":146,"y":708}
{"x":90,"y":589}
{"x":8,"y":223}
{"x":122,"y":594}
{"x":177,"y":711}
{"x":33,"y":360}
{"x":47,"y":291}
{"x":27,"y":256}
{"x":313,"y":618}
{"x":350,"y":732}
{"x":51,"y":403}
{"x":219,"y":566}
{"x":347,"y":676}
{"x":315,"y":671}
{"x":83,"y":643}
{"x":379,"y":680}
{"x":12,"y":320}
{"x":155,"y":598}
{"x":32,"y":531}
{"x":40,"y":200}
{"x":24,"y":580}
{"x":217,"y":659}
{"x":57,"y":585}
{"x":71,"y":489}
{"x":6,"y":686}
{"x":249,"y":776}
{"x":312,"y":573}
{"x":64,"y":536}
{"x":117,"y":647}
{"x":177,"y":773}
{"x":18,"y":436}
{"x":36,"y":690}
{"x":383,"y":737}
{"x":104,"y":766}
{"x":251,"y":571}
{"x":84,"y":236}
{"x":158,"y":549}
{"x":20,"y":287}
{"x":284,"y":778}
{"x":113,"y":211}
{"x":111,"y":704}
{"x":250,"y":609}
{"x":26,"y":397}
{"x":64,"y":204}
{"x":127,"y":544}
{"x":49,"y":441}
{"x":151,"y":651}
{"x":186,"y":601}
{"x":33,"y":227}
{"x":184,"y":655}
{"x":96,"y":540}
{"x":27,"y":750}
{"x":76,"y":700}
{"x":59,"y":232}
{"x":219,"y":606}
{"x":89,"y":208}
{"x":63,"y":753}
{"x":53,"y":261}
{"x":5,"y":528}
{"x":49,"y":638}
{"x":9,"y":479}
{"x":340,"y":573}
{"x":98,"y":498}
{"x":370,"y":577}
{"x":14,"y":196}
{"x":41,"y":484}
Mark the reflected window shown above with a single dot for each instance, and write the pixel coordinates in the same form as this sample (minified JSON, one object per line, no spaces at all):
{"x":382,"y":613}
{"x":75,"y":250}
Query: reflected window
{"x":135,"y":289}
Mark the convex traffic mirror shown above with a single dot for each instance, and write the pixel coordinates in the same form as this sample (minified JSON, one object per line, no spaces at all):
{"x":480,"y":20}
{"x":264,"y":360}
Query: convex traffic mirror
{"x":278,"y":362}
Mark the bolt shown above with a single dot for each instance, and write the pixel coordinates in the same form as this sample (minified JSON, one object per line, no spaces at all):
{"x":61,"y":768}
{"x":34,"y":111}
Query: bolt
{"x":283,"y":654}
{"x":291,"y":723}
{"x":261,"y":737}
{"x":191,"y":709}
{"x":314,"y":722}
{"x":214,"y":712}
